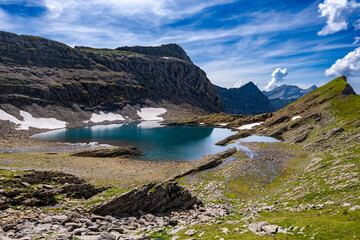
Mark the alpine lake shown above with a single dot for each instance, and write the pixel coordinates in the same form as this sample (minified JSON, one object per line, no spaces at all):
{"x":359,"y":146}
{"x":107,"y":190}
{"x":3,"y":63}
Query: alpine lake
{"x":159,"y":142}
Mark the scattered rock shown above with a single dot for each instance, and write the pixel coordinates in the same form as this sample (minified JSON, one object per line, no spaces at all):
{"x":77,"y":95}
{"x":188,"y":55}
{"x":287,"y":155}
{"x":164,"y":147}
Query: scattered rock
{"x":149,"y":217}
{"x":110,"y":152}
{"x":190,"y":232}
{"x":257,"y":226}
{"x":270,"y":229}
{"x":354,"y":208}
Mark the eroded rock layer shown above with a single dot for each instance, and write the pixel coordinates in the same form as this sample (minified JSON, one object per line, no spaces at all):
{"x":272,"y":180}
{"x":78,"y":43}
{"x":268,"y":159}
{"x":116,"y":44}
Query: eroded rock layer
{"x":39,"y":71}
{"x":150,"y":198}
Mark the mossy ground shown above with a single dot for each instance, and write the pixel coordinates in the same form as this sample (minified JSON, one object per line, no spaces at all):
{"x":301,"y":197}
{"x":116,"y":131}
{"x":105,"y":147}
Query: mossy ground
{"x":113,"y":191}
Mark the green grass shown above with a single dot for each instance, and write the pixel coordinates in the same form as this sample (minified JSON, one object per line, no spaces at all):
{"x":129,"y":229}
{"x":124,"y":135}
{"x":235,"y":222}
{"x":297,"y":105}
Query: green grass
{"x":7,"y":174}
{"x":215,"y":231}
{"x":160,"y":235}
{"x":113,"y":191}
{"x":326,"y":223}
{"x":321,"y":224}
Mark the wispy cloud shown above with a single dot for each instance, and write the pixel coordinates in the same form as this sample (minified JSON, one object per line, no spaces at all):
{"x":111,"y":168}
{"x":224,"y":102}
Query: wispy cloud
{"x":229,"y":39}
{"x":5,"y":21}
{"x":155,"y":11}
{"x":356,"y":40}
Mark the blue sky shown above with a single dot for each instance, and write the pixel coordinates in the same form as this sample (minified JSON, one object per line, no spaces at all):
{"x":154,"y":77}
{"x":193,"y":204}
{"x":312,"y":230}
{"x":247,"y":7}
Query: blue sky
{"x":232,"y":41}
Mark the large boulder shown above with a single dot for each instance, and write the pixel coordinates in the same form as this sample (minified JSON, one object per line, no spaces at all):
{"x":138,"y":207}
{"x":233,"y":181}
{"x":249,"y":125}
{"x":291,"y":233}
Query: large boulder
{"x":152,"y":198}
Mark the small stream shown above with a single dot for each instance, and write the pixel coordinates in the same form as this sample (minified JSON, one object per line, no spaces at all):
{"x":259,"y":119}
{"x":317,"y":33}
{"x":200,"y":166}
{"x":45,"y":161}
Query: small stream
{"x":250,"y":154}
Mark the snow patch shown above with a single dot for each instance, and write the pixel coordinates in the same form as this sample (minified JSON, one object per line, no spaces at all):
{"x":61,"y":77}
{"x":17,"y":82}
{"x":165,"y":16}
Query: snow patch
{"x":29,"y":121}
{"x":105,"y":127}
{"x":201,"y":123}
{"x":102,"y":117}
{"x":249,"y":126}
{"x":151,"y":114}
{"x":88,"y":145}
{"x":150,"y":124}
{"x":296,"y":117}
{"x":223,"y":124}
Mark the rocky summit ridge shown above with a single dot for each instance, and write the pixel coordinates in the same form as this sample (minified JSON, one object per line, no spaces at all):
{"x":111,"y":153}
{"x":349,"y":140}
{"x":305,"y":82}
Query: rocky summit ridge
{"x":286,"y":94}
{"x":246,"y":100}
{"x":38,"y":73}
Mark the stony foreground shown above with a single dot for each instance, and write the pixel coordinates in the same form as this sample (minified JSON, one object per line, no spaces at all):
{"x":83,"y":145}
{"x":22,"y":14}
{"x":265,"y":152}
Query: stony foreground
{"x":79,"y":224}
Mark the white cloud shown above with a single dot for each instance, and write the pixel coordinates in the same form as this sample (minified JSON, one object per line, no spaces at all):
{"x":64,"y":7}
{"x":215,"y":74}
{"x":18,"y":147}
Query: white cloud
{"x":356,"y":40}
{"x":357,"y":24}
{"x":239,"y":84}
{"x":114,"y":23}
{"x":348,"y":65}
{"x":276,"y":78}
{"x":336,"y":12}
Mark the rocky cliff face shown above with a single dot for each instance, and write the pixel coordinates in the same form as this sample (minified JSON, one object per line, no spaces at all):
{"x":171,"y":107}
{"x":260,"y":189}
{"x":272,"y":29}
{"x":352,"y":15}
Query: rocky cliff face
{"x":39,"y":71}
{"x":247,"y":100}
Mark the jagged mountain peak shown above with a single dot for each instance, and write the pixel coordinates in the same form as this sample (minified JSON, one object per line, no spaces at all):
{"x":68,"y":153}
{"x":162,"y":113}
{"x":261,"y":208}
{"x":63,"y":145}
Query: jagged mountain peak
{"x":286,"y":92}
{"x":247,"y":100}
{"x":250,"y":85}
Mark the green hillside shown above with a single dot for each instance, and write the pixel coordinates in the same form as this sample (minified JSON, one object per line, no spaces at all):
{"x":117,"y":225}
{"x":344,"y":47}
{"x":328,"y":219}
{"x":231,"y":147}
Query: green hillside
{"x":318,"y":191}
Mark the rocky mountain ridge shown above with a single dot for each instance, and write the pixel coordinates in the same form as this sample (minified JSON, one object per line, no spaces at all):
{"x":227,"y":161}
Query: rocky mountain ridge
{"x":286,"y":94}
{"x":246,"y":100}
{"x":39,"y":73}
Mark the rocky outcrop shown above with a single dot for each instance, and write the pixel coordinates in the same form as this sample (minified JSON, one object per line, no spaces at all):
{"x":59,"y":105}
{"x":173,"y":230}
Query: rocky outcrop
{"x":151,"y":198}
{"x":246,"y":100}
{"x":40,"y":188}
{"x":241,"y":134}
{"x":210,"y":161}
{"x":110,"y":152}
{"x":39,"y":71}
{"x":348,"y":90}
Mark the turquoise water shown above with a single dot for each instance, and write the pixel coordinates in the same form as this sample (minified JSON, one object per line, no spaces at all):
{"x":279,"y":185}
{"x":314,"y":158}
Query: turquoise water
{"x":173,"y":143}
